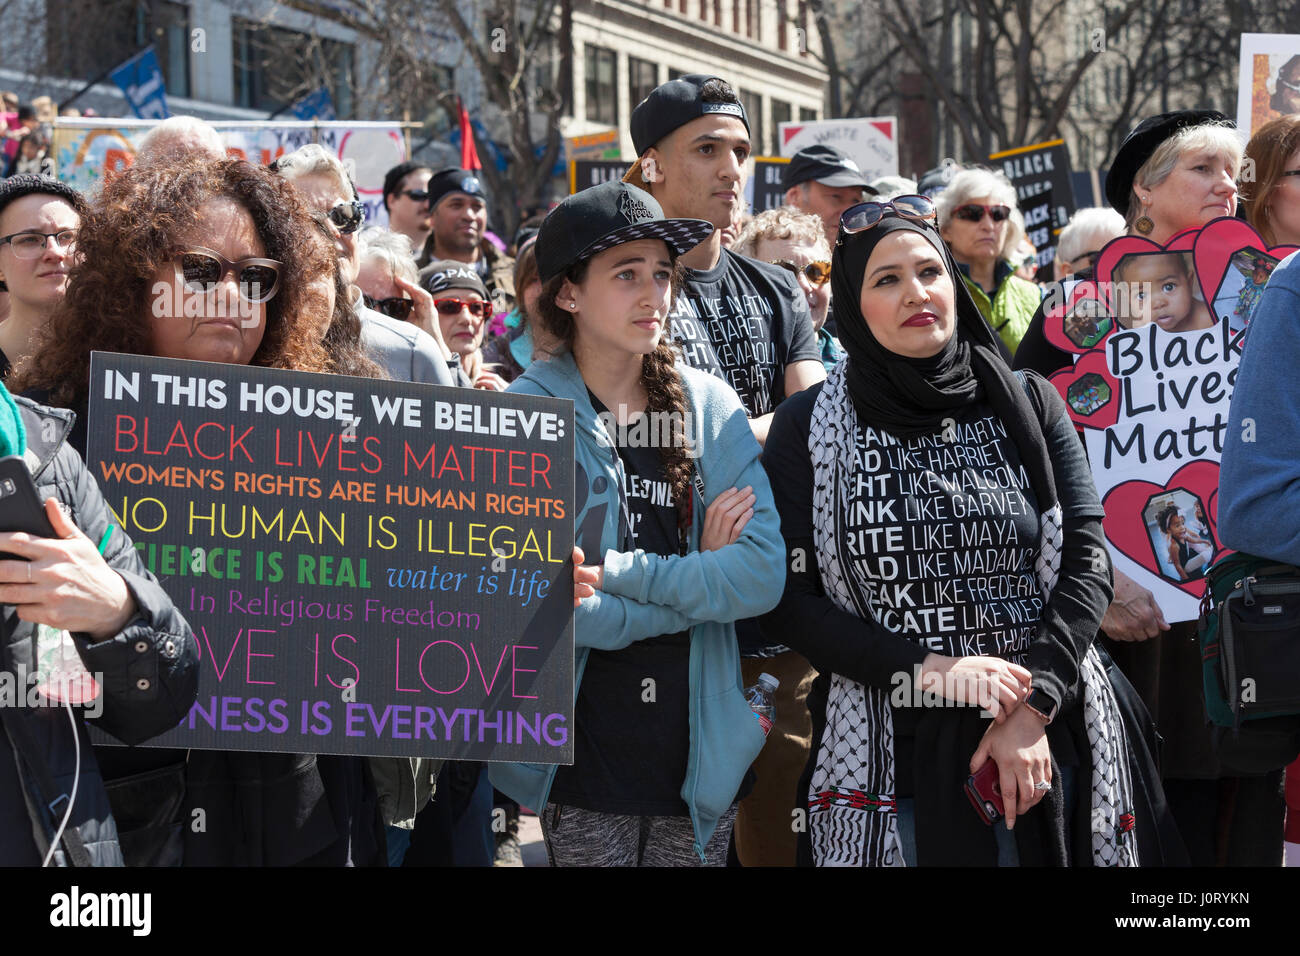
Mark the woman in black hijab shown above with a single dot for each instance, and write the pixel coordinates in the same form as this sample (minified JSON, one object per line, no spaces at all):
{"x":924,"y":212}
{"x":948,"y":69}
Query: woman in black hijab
{"x":946,"y":558}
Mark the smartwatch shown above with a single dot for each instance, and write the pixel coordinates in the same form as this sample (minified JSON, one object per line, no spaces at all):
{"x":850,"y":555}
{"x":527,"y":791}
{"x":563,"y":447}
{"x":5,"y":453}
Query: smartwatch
{"x":1042,"y":704}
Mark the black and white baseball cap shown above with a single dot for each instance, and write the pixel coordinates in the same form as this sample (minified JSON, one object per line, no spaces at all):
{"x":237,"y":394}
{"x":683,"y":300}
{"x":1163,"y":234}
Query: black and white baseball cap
{"x":826,"y":165}
{"x":443,"y":274}
{"x":674,"y":104}
{"x":605,"y":216}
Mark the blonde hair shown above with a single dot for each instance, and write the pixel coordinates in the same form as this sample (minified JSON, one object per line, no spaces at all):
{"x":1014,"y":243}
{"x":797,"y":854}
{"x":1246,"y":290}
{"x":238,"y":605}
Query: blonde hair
{"x":1219,"y":138}
{"x":785,"y":222}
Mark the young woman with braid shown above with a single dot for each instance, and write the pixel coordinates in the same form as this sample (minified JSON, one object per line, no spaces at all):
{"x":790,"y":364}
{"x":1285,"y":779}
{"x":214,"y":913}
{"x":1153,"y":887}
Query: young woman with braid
{"x":673,"y":508}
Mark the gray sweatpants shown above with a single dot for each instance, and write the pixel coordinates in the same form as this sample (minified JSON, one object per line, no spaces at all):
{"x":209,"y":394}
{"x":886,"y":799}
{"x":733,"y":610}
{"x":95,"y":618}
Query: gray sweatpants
{"x":577,"y":837}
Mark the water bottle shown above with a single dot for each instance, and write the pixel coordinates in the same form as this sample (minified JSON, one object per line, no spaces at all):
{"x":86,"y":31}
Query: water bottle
{"x":760,"y":701}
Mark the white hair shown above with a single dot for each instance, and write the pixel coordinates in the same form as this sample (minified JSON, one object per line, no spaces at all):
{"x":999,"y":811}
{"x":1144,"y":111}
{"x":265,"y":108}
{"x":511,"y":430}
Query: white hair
{"x":978,"y":182}
{"x":887,"y":187}
{"x":180,"y":137}
{"x":1087,"y":231}
{"x":314,"y":159}
{"x":393,"y":249}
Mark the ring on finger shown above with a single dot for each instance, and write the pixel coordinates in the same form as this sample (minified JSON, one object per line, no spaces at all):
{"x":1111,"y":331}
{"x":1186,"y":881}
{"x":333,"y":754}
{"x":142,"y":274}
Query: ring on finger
{"x":1043,"y":785}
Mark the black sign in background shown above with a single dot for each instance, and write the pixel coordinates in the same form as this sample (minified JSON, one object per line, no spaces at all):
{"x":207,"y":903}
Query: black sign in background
{"x":584,"y":173}
{"x":449,"y":615}
{"x":769,"y":193}
{"x":1041,"y":175}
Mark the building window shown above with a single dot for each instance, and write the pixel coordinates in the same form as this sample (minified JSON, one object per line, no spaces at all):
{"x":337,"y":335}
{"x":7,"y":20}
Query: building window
{"x":806,"y":115}
{"x":735,"y":16}
{"x":780,"y":114}
{"x":642,"y":77}
{"x":274,"y":67}
{"x":675,"y":74}
{"x":83,"y":40}
{"x":717,"y":13}
{"x":602,"y":86}
{"x":782,"y":31}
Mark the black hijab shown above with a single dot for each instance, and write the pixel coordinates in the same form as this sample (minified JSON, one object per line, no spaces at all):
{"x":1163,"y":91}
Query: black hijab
{"x":908,"y":397}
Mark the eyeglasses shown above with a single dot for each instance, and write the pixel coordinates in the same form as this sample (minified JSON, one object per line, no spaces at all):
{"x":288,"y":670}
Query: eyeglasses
{"x":974,"y":212}
{"x":818,"y":273}
{"x":866,"y":215}
{"x":395,"y":308}
{"x":452,"y":306}
{"x":1090,"y":256}
{"x":201,"y":269}
{"x":418,"y":195}
{"x":348,"y":215}
{"x":31,"y":245}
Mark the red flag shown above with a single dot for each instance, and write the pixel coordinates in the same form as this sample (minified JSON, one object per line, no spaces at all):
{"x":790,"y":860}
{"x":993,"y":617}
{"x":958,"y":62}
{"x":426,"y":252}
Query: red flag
{"x":468,"y":153}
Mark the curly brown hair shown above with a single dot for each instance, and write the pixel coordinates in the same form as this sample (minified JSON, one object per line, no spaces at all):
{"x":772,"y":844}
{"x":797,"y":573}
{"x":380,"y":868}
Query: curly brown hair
{"x":342,"y":339}
{"x":659,"y":376}
{"x":132,"y":229}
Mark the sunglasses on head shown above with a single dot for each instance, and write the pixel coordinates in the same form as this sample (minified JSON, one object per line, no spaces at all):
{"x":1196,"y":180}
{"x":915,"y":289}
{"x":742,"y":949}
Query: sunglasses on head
{"x":974,"y":212}
{"x":866,"y":215}
{"x":202,"y":269}
{"x":348,"y":215}
{"x":818,"y":273}
{"x":452,"y":306}
{"x":395,"y":308}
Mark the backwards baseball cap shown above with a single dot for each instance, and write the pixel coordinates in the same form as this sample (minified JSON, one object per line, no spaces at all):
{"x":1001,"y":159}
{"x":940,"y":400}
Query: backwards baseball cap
{"x":675,"y":104}
{"x":826,"y":165}
{"x":443,"y":274}
{"x":453,"y":180}
{"x":605,"y":216}
{"x":1141,"y":143}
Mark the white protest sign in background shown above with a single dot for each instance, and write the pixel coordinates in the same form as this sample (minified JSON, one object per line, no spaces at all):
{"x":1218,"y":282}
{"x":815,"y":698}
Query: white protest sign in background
{"x":89,"y":150}
{"x":871,"y":142}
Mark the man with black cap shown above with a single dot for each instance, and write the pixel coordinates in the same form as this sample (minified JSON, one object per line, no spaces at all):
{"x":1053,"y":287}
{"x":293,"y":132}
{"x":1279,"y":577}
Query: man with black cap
{"x":458,"y":207}
{"x":406,"y":197}
{"x":824,"y":182}
{"x":745,"y":321}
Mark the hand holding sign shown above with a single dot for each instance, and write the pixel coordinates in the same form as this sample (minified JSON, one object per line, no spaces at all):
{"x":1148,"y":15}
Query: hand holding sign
{"x":64,"y":582}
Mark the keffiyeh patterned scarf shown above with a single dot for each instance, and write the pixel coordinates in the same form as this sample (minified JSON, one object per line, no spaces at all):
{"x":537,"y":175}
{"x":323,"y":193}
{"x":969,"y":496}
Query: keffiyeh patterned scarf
{"x":852,"y":809}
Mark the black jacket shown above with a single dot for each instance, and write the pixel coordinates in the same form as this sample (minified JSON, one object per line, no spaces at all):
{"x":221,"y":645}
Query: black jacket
{"x":148,"y":673}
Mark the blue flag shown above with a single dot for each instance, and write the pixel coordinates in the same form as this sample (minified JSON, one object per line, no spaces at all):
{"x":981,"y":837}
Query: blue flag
{"x":142,"y":84}
{"x":314,"y":106}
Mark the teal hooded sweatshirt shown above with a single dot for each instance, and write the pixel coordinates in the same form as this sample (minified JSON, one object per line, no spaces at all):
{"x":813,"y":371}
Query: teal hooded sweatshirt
{"x":646,"y":595}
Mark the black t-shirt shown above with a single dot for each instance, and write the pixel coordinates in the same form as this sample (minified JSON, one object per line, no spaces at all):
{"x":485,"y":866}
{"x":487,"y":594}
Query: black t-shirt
{"x":839,"y":642}
{"x":745,"y":321}
{"x":17,"y":846}
{"x":632,"y":738}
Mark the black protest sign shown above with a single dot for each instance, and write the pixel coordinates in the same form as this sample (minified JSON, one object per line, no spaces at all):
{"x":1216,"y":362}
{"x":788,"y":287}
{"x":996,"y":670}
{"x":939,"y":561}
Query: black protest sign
{"x":1041,"y":175}
{"x":769,"y":193}
{"x":370,"y":567}
{"x":592,"y":172}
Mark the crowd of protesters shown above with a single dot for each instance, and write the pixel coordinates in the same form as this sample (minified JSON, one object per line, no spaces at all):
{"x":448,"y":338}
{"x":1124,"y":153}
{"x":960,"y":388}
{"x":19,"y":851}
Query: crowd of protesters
{"x":858,"y":318}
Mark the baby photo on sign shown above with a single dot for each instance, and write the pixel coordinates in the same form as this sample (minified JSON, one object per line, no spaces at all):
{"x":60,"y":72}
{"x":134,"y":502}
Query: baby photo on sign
{"x":1159,"y":287}
{"x":1180,"y":534}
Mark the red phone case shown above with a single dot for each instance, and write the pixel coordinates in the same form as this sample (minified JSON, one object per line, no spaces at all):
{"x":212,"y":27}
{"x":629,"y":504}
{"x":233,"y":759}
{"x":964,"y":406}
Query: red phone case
{"x":985,"y":792}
